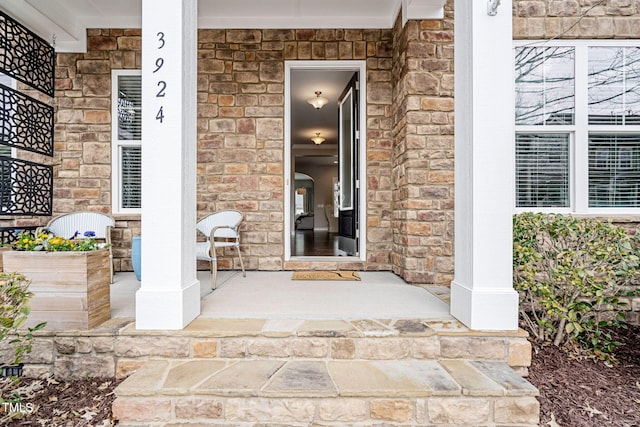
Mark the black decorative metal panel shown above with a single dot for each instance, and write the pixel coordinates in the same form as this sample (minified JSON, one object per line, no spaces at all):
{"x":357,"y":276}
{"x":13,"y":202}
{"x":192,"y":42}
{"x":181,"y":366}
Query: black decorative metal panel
{"x":8,"y":235}
{"x":25,"y":122}
{"x":25,"y":56}
{"x":26,"y":188}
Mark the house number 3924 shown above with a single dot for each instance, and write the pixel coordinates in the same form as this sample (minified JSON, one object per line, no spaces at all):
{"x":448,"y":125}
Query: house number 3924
{"x":162,"y":85}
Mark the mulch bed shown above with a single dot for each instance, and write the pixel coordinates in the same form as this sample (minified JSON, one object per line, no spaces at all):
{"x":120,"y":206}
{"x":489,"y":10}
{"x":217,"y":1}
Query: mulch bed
{"x":573,"y":393}
{"x":46,"y":402}
{"x":585,"y":393}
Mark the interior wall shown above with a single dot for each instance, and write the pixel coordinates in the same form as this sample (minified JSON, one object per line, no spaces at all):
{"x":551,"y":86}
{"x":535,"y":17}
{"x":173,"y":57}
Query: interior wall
{"x":323,"y":190}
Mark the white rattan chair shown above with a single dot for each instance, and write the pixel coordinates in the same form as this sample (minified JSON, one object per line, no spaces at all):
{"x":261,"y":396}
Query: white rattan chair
{"x":221,"y":228}
{"x":68,"y":225}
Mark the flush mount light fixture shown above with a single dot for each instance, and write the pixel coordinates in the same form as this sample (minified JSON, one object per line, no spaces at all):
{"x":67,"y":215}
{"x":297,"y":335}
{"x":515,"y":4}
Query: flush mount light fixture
{"x":318,"y":139}
{"x":319,"y":101}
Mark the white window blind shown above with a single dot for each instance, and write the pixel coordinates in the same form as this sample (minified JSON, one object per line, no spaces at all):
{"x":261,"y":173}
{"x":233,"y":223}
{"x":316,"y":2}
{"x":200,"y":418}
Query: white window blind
{"x":614,"y":170}
{"x":127,"y":141}
{"x":542,"y":170}
{"x":129,"y":108}
{"x":131,"y":176}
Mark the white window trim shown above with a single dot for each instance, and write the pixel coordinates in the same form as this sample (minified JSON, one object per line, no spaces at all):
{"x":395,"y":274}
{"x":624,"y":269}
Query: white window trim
{"x":117,"y":144}
{"x":579,"y":131}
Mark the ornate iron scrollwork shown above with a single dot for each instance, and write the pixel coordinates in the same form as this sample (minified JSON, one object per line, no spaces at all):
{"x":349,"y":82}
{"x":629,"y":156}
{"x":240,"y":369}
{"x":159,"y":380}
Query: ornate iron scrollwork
{"x":8,"y":235}
{"x":25,"y":56}
{"x":25,"y":122}
{"x":26,"y":188}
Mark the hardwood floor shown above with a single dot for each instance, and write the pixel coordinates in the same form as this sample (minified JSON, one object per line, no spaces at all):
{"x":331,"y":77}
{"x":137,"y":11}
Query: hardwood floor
{"x":314,"y":243}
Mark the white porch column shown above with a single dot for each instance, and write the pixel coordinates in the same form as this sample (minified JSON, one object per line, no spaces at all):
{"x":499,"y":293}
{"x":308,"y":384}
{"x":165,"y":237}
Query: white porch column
{"x":482,"y":295}
{"x":169,"y":297}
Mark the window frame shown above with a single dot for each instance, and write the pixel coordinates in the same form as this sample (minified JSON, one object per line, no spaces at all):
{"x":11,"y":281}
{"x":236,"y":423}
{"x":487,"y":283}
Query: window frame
{"x":580,"y":130}
{"x":117,"y":145}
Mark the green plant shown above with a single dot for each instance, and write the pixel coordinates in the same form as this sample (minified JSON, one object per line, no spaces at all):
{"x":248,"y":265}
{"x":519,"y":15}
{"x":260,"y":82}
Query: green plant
{"x":14,"y":311}
{"x":572,"y":275}
{"x":51,"y":243}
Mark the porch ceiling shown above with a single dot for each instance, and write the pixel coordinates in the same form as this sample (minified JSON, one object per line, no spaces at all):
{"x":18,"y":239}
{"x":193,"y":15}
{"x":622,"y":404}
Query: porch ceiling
{"x":68,"y":20}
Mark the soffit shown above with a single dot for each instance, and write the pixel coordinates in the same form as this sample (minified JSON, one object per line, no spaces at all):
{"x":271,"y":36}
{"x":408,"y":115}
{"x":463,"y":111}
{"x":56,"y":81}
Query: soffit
{"x":68,"y":20}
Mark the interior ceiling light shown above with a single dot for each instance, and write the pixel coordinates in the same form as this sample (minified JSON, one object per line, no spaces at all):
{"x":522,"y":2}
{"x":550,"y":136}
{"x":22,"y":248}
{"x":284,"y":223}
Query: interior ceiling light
{"x":319,"y":101}
{"x":318,"y":139}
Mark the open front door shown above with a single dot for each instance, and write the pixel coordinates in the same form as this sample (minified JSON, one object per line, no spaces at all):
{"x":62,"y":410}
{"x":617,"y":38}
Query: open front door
{"x":348,"y":170}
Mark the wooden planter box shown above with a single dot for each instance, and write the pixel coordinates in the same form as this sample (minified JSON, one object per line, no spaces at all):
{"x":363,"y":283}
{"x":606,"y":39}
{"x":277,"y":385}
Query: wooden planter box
{"x":71,"y":289}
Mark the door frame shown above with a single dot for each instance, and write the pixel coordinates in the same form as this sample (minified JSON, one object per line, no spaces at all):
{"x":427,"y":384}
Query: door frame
{"x":346,"y":65}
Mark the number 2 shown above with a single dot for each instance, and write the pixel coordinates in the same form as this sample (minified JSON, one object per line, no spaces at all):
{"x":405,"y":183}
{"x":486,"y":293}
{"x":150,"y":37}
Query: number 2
{"x":163,"y":86}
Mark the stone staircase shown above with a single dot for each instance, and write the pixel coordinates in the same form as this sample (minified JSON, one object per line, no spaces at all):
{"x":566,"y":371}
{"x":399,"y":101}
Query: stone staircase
{"x":371,"y":372}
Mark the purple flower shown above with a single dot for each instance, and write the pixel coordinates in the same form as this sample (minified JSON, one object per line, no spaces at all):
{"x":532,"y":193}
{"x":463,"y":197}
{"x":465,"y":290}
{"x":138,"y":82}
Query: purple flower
{"x":89,"y":234}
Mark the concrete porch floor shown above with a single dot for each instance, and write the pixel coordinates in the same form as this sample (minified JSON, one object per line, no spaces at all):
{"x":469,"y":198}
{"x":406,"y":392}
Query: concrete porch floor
{"x":274,"y":295}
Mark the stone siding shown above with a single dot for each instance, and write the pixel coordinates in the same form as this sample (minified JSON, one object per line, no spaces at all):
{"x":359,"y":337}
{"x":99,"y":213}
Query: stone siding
{"x":241,"y":139}
{"x":241,"y":133}
{"x":423,"y":169}
{"x":116,"y":348}
{"x":576,"y":19}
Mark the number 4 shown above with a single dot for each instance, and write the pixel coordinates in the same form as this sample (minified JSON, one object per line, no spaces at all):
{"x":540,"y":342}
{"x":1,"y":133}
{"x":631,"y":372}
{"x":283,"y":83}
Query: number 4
{"x":160,"y":115}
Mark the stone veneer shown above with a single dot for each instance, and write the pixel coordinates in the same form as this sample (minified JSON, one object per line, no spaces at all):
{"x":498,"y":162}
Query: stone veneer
{"x":116,"y":348}
{"x":241,"y":138}
{"x":576,"y":19}
{"x":423,"y":147}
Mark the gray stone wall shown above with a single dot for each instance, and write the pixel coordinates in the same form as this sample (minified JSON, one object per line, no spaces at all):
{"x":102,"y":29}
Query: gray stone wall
{"x":576,"y":19}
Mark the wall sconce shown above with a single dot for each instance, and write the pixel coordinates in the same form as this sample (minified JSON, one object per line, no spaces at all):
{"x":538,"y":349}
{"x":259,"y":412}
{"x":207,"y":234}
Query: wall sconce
{"x":492,"y":7}
{"x":318,"y":139}
{"x":319,"y":101}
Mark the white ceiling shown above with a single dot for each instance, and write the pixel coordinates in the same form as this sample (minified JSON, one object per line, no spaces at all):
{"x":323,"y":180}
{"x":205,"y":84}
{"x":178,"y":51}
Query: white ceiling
{"x":68,"y":20}
{"x":305,"y":119}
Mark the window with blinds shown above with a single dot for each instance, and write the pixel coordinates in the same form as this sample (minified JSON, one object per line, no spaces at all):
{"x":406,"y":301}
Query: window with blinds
{"x":127,"y":144}
{"x":542,"y":170}
{"x":577,"y":117}
{"x":614,"y":170}
{"x":131,"y":177}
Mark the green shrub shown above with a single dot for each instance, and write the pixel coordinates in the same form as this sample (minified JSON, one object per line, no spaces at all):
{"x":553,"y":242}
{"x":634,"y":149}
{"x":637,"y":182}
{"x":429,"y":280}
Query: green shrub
{"x":572,"y":275}
{"x":14,"y":311}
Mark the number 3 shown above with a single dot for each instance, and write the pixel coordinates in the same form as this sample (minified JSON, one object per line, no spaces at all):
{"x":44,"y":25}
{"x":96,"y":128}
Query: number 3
{"x":161,"y":39}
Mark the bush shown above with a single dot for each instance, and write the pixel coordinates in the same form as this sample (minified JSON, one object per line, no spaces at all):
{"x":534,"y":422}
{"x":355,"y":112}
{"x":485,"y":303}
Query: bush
{"x":572,"y":275}
{"x":14,"y":311}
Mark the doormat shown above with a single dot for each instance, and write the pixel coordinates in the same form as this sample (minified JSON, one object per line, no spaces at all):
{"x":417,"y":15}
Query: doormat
{"x":326,"y":275}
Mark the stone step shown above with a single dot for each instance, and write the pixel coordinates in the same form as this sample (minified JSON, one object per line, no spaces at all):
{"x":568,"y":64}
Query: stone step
{"x":326,"y":393}
{"x":369,"y":339}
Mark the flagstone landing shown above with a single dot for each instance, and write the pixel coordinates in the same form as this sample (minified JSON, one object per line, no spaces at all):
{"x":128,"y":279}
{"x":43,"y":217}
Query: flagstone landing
{"x":326,"y":393}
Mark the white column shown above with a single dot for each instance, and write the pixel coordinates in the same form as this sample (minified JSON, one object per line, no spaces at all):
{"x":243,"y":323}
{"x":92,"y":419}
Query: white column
{"x":169,"y":297}
{"x":482,"y":295}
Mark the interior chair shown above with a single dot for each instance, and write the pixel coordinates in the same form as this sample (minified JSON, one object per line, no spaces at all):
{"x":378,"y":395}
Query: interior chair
{"x":74,"y":225}
{"x":221,"y":228}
